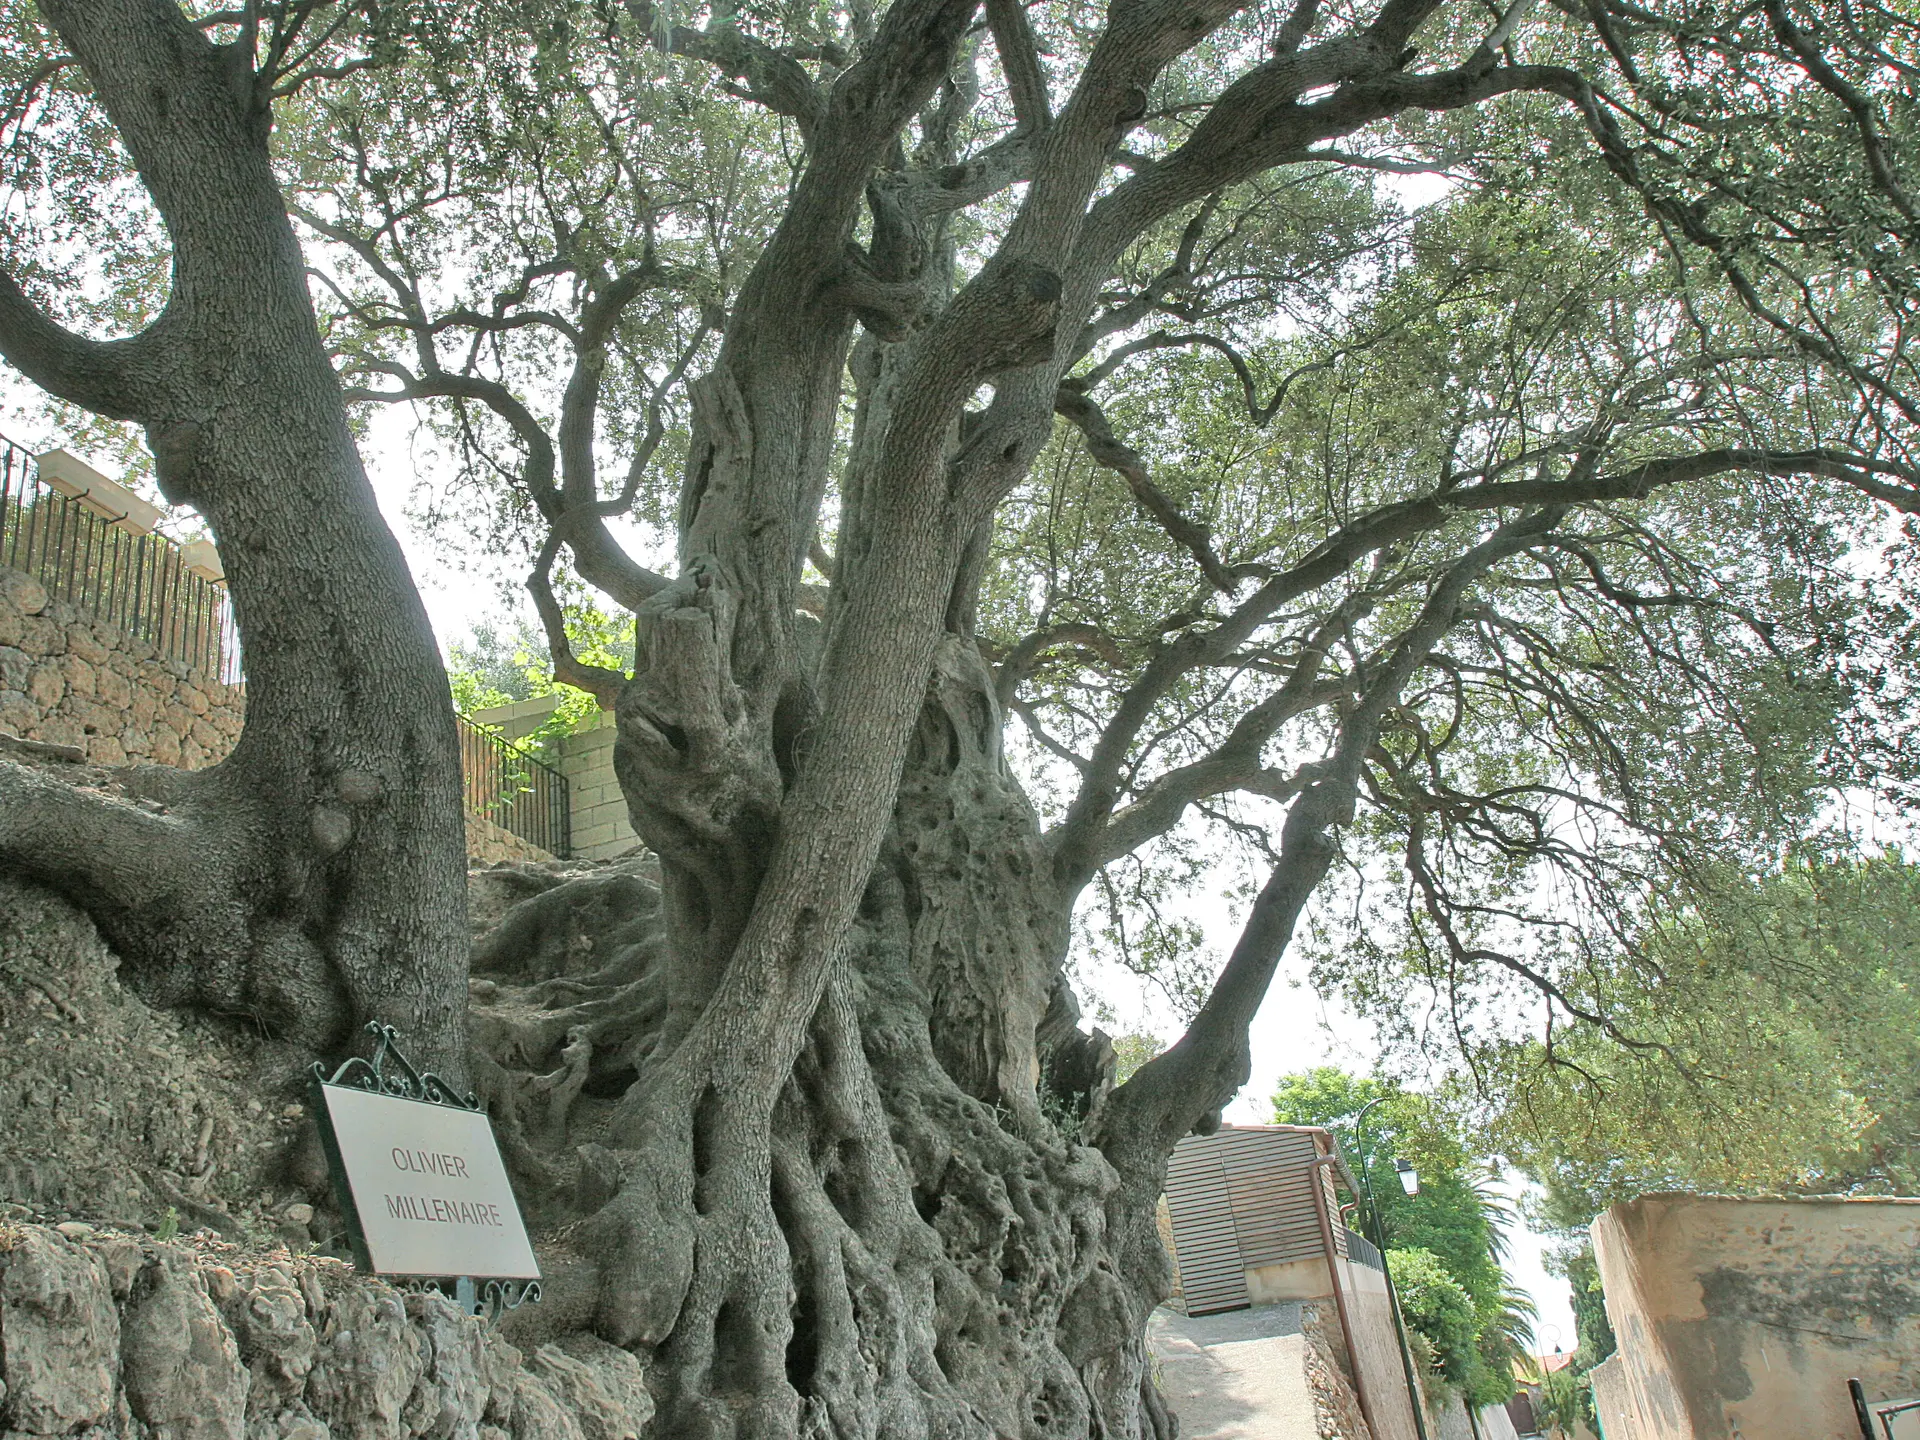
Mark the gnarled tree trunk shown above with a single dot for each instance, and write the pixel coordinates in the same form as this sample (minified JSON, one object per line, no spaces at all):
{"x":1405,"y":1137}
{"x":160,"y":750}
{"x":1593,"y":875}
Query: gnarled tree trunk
{"x":314,"y":879}
{"x":869,"y":1179}
{"x":864,"y":1176}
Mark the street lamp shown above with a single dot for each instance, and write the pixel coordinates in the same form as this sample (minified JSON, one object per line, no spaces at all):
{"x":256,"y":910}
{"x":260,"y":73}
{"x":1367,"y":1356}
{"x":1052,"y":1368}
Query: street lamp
{"x":1409,"y":1182}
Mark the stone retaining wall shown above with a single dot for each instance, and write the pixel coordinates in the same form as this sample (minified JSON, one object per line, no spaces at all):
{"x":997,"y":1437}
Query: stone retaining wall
{"x":104,"y":1334}
{"x":67,"y":679}
{"x":489,"y":844}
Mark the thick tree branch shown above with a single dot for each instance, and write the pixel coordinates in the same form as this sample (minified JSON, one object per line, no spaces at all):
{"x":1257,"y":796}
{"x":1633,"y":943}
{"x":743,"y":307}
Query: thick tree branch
{"x":577,"y":513}
{"x":108,"y":377}
{"x":109,"y":854}
{"x":598,"y":681}
{"x":1074,"y":838}
{"x":888,"y":308}
{"x":1879,"y":163}
{"x":1019,"y":662}
{"x":1201,"y":1072}
{"x":1237,"y":764}
{"x":607,"y":567}
{"x":1257,"y":123}
{"x":1020,"y":63}
{"x":999,"y":166}
{"x":771,"y":77}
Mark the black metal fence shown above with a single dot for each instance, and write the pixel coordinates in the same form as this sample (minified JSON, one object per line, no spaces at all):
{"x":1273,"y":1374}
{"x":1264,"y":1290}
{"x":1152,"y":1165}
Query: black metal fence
{"x":140,"y":584}
{"x":515,"y":790}
{"x":1362,"y":1251}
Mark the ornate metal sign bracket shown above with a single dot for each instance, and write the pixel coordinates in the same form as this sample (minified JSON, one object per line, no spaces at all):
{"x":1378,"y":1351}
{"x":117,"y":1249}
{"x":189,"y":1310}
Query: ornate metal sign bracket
{"x":404,"y":1081}
{"x":489,"y":1299}
{"x":388,"y":1072}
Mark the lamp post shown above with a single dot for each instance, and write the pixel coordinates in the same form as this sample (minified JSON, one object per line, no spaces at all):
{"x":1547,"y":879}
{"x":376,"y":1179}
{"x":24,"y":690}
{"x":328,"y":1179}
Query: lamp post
{"x":1409,"y":1182}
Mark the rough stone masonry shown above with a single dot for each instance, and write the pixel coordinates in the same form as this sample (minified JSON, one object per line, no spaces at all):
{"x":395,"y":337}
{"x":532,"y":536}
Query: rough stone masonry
{"x":67,"y":679}
{"x":105,"y":1334}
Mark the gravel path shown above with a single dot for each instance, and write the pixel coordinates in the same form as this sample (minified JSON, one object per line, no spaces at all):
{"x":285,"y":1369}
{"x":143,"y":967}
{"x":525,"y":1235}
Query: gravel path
{"x":1238,"y":1376}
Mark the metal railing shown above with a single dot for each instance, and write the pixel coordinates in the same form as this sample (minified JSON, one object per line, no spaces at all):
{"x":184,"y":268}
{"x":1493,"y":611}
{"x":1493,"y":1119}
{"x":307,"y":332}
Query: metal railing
{"x":1883,"y":1419}
{"x":514,"y":789}
{"x":1362,"y":1251}
{"x":139,"y":584}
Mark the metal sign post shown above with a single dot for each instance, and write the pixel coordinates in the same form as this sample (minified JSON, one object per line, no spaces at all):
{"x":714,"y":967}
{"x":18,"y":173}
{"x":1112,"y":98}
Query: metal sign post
{"x":419,"y":1179}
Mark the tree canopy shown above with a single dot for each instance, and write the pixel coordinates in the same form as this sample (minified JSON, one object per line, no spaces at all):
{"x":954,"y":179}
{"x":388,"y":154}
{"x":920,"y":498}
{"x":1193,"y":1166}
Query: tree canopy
{"x":1776,"y":1023}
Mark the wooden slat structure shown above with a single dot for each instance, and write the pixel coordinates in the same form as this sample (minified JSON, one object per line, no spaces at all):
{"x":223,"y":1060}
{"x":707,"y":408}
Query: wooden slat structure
{"x":1242,"y":1197}
{"x":1212,"y":1275}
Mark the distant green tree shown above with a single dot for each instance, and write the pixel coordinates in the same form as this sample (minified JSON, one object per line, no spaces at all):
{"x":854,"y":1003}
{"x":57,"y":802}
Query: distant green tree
{"x":490,"y":667}
{"x":504,"y":660}
{"x":1589,"y":1307}
{"x":1435,"y":1304}
{"x":1565,"y":1399}
{"x":1455,"y":1218}
{"x":1132,"y":1051}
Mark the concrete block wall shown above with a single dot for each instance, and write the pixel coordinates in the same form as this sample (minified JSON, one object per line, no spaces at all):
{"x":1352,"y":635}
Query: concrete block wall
{"x":601,"y":829}
{"x":67,"y":679}
{"x":598,"y":810}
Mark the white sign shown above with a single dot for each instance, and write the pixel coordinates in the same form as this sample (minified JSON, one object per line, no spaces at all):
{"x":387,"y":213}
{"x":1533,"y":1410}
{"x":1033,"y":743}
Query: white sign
{"x":431,"y":1192}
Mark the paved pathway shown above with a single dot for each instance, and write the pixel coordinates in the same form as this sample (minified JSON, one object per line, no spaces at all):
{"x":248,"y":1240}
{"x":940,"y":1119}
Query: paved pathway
{"x":1238,"y":1376}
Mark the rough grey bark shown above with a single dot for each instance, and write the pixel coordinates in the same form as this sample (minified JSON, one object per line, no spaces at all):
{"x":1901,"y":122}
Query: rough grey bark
{"x":855,"y":1194}
{"x":865,"y":1177}
{"x":314,"y":879}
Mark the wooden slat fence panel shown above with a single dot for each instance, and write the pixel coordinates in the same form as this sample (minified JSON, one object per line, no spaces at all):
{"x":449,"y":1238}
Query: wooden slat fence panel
{"x":1268,"y":1187}
{"x":1212,"y":1274}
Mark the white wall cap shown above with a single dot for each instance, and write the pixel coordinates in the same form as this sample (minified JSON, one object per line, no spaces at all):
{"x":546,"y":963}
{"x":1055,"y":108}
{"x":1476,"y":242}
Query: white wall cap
{"x":203,"y":559}
{"x":69,"y":475}
{"x":520,"y":718}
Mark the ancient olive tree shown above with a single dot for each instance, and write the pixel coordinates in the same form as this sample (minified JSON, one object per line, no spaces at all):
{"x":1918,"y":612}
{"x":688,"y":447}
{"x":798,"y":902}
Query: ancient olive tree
{"x":1066,"y":367}
{"x":1515,"y":537}
{"x":314,"y":880}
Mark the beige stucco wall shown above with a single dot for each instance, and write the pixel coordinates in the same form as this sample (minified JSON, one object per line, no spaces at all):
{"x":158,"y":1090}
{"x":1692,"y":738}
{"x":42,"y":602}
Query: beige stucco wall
{"x":66,"y":679}
{"x":1289,"y":1281}
{"x":1377,"y":1355}
{"x":1448,"y":1421}
{"x":1744,"y":1319}
{"x":1613,"y":1397}
{"x":1376,"y":1347}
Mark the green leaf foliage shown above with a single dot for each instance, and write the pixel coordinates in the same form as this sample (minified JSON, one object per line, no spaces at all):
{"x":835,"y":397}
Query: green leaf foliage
{"x":1454,"y":1224}
{"x":1776,"y":1035}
